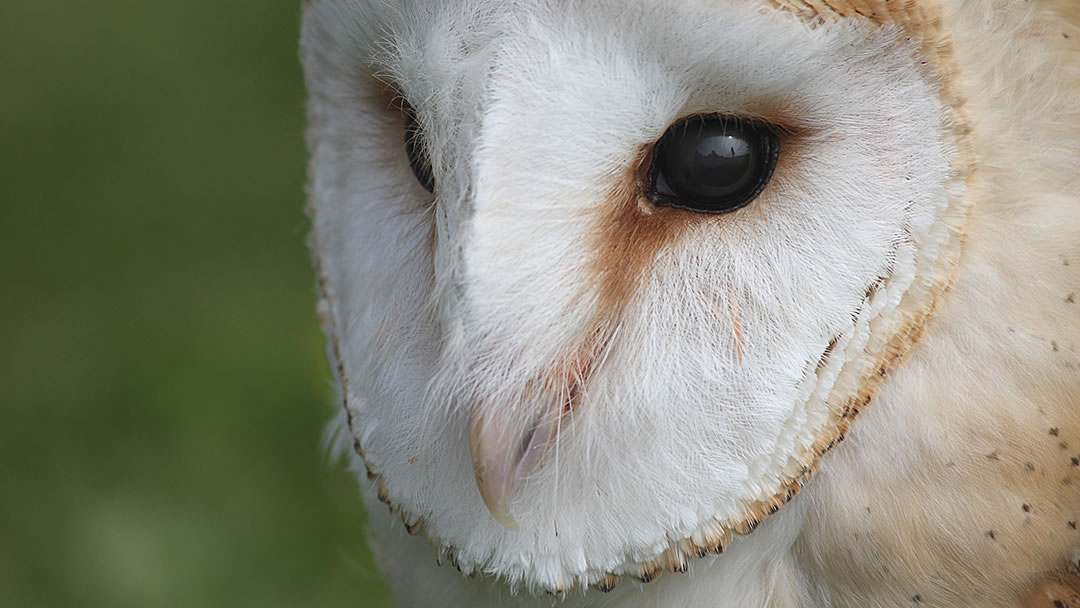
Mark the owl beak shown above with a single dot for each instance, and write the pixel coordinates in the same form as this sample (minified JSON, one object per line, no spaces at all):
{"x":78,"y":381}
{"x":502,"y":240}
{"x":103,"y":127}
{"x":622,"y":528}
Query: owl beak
{"x":508,"y":447}
{"x":504,"y":453}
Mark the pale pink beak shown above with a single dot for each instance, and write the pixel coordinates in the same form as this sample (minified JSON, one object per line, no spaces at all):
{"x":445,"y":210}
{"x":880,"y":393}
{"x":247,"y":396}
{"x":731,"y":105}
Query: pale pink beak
{"x":505,"y":451}
{"x":503,"y":456}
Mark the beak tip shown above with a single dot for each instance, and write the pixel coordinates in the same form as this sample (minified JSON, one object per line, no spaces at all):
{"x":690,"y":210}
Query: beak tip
{"x":505,"y":519}
{"x":498,"y":504}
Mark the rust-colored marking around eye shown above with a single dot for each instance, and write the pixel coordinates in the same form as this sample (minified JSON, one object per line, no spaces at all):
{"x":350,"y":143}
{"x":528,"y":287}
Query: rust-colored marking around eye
{"x":629,"y":232}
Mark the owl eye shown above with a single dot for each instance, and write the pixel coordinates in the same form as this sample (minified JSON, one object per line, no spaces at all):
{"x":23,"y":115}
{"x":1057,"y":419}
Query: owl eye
{"x":414,"y":148}
{"x":712,"y":164}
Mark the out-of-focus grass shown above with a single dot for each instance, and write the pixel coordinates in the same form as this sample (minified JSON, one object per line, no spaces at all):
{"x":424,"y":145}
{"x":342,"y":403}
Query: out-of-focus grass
{"x":162,"y":380}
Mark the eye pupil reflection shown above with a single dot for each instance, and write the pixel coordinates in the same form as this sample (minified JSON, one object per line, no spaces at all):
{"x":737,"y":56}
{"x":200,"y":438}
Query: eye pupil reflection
{"x":712,"y":164}
{"x":719,"y":161}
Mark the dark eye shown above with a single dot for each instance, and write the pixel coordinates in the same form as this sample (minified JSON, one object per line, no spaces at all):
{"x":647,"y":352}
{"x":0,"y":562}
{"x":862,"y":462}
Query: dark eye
{"x":414,"y":147}
{"x":712,"y":164}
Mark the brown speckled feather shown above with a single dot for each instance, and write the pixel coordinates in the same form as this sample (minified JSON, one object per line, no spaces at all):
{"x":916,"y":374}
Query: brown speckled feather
{"x":1056,"y":592}
{"x":980,"y":508}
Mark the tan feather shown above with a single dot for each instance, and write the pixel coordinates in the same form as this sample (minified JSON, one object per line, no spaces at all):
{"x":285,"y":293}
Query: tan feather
{"x":987,"y":517}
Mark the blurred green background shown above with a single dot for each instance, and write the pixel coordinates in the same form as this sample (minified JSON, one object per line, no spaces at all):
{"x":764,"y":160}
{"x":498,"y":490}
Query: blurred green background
{"x":162,"y":374}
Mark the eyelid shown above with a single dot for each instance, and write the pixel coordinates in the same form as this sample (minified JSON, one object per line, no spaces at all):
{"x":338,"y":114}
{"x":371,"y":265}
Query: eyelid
{"x":415,"y":149}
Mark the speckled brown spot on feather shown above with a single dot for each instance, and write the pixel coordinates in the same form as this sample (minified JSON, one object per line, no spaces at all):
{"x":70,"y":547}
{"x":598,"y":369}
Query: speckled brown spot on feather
{"x":1058,"y":591}
{"x":607,"y":583}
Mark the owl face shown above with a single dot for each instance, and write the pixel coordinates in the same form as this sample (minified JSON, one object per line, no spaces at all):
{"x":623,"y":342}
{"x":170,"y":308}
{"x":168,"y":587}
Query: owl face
{"x":604,"y":280}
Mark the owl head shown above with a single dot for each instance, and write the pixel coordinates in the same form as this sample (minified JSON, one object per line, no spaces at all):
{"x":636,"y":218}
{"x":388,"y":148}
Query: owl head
{"x":603,"y":280}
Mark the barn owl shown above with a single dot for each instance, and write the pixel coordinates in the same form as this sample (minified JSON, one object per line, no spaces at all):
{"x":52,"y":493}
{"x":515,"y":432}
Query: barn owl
{"x":705,"y":302}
